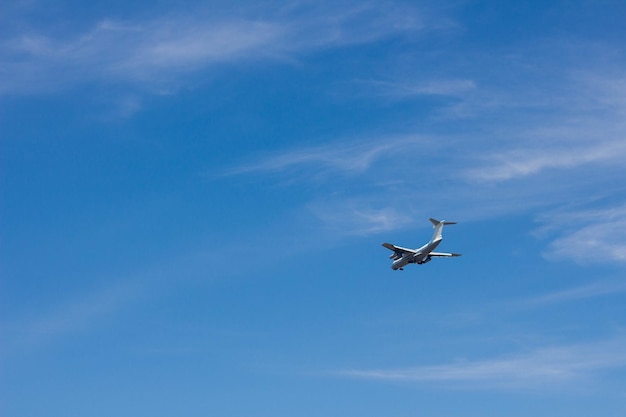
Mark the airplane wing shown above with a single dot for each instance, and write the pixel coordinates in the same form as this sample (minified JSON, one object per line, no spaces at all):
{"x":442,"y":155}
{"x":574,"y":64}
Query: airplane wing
{"x":443,"y":254}
{"x":398,"y":248}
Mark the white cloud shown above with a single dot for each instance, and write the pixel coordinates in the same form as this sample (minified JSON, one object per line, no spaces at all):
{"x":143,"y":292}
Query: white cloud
{"x":71,"y":316}
{"x":525,"y":162}
{"x":538,"y":369}
{"x":596,"y":289}
{"x":593,"y":243}
{"x":164,"y":49}
{"x":177,"y":46}
{"x":148,"y":52}
{"x":358,"y":218}
{"x":583,"y":125}
{"x":412,"y":88}
{"x":588,"y":236}
{"x":353,"y":156}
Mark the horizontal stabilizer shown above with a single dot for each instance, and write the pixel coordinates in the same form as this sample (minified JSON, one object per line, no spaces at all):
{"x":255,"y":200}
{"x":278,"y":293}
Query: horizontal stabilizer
{"x":435,"y":222}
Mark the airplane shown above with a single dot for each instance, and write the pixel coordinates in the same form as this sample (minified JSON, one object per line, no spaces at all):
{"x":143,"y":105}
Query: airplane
{"x":402,"y":256}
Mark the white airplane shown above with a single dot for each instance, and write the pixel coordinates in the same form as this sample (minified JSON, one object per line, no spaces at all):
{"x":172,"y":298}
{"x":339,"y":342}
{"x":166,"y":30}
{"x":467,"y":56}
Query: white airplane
{"x":403,"y":256}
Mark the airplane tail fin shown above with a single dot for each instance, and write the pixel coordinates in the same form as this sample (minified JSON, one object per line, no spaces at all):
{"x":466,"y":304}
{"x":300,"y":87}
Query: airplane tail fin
{"x":438,"y":225}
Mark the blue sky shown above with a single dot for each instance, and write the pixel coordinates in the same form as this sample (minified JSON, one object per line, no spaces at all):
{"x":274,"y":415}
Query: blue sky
{"x":194,"y":195}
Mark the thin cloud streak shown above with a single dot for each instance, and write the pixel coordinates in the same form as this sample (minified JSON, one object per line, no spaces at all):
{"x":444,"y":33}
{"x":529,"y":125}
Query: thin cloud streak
{"x":399,"y":90}
{"x":159,"y":51}
{"x":148,"y":52}
{"x":72,"y":316}
{"x":587,"y":291}
{"x":358,"y":218}
{"x":588,"y":236}
{"x":593,"y":243}
{"x":354,"y":157}
{"x":521,"y":163}
{"x":584,"y":128}
{"x":541,"y":368}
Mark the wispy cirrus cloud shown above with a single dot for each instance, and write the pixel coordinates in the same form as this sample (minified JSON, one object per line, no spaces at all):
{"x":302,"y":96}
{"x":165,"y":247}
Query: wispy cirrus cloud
{"x":525,"y":162}
{"x":587,"y":236}
{"x":542,"y":368}
{"x":597,"y":242}
{"x":162,"y":49}
{"x":151,"y":51}
{"x":350,"y":156}
{"x":596,"y":289}
{"x":404,"y":89}
{"x":583,"y":126}
{"x":72,"y":316}
{"x":357,"y":218}
{"x":534,"y":141}
{"x":86,"y":311}
{"x":381,"y":163}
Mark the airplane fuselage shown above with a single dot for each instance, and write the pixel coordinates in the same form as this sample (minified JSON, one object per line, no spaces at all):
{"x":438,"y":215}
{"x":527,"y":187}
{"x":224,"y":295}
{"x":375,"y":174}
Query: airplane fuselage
{"x":421,"y":255}
{"x":401,"y":257}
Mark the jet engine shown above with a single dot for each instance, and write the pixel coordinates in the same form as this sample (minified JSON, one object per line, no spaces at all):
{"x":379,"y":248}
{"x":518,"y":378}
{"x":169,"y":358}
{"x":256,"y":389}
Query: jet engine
{"x":425,"y":260}
{"x":395,"y":256}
